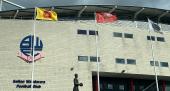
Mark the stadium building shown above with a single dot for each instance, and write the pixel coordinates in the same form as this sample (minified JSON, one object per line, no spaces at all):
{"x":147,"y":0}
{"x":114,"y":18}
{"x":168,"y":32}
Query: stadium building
{"x":131,"y":56}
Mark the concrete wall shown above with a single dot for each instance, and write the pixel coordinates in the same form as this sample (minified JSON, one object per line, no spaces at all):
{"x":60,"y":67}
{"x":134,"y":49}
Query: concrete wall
{"x":62,"y":46}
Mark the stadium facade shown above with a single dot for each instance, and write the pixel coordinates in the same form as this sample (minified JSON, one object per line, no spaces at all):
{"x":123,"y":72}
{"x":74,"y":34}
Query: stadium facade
{"x":68,"y":46}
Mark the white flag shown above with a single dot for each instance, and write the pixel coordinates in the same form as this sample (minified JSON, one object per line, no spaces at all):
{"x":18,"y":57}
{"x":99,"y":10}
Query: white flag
{"x":154,"y":26}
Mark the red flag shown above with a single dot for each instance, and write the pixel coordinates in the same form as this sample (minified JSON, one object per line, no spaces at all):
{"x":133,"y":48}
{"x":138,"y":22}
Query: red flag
{"x":104,"y":17}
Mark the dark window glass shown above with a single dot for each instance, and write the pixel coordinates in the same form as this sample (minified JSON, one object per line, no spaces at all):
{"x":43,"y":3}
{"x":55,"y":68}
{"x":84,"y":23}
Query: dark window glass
{"x":148,"y":38}
{"x":151,"y":38}
{"x":82,"y":32}
{"x":161,"y":39}
{"x":152,"y":63}
{"x":141,"y":88}
{"x":101,"y":86}
{"x":91,"y":32}
{"x":120,"y":60}
{"x":121,"y":88}
{"x":164,"y":64}
{"x":116,"y":34}
{"x":94,"y":59}
{"x":131,"y":61}
{"x":82,"y":58}
{"x":109,"y":86}
{"x":128,"y":35}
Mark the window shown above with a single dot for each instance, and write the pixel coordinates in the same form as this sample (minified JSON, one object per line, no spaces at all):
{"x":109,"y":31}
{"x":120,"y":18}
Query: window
{"x":84,"y":32}
{"x":161,"y":39}
{"x":91,"y":32}
{"x":94,"y":59}
{"x":152,"y":63}
{"x":116,"y":34}
{"x":121,"y":87}
{"x":101,"y":86}
{"x":82,"y":58}
{"x":141,"y":88}
{"x":164,"y":64}
{"x":128,"y":35}
{"x":120,"y":60}
{"x":151,"y":38}
{"x":109,"y":86}
{"x":131,"y":61}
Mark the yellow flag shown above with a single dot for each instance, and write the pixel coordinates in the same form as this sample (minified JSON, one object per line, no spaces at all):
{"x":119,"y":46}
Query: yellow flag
{"x":43,"y":14}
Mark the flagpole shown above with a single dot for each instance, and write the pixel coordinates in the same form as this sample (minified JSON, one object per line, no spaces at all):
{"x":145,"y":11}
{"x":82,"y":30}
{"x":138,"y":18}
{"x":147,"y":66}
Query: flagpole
{"x":153,"y":56}
{"x":33,"y":59}
{"x":97,"y":55}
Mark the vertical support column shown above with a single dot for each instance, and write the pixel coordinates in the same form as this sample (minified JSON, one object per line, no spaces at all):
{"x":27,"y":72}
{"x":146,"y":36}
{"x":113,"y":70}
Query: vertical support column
{"x":131,"y":85}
